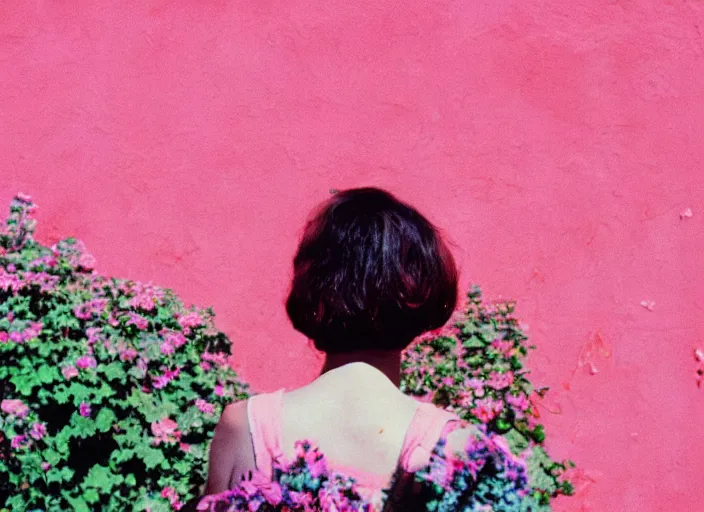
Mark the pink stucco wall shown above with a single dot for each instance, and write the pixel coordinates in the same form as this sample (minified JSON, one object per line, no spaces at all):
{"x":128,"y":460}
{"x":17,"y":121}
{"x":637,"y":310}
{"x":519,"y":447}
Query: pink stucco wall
{"x":556,"y":142}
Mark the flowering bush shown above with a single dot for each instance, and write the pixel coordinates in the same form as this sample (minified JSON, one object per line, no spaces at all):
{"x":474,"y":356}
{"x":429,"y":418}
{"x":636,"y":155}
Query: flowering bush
{"x":475,"y":368}
{"x":486,"y":477}
{"x":109,"y":389}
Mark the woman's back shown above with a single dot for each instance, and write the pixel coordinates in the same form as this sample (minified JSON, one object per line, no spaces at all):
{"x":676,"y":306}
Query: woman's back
{"x":362,"y":423}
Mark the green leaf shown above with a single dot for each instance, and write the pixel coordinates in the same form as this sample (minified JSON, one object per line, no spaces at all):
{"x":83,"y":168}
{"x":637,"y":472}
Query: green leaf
{"x":91,"y":496}
{"x":101,"y":478}
{"x":24,"y":383}
{"x":105,"y":419}
{"x":78,"y":504}
{"x":83,"y":427}
{"x":47,"y":374}
{"x":152,"y":457}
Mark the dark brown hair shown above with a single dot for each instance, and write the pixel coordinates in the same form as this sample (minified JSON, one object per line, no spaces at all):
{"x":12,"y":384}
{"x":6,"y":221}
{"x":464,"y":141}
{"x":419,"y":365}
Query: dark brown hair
{"x":370,"y":273}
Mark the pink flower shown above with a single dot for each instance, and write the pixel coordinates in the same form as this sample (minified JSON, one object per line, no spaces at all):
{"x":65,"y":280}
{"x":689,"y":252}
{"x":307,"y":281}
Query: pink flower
{"x":500,"y":380}
{"x":476,"y":385}
{"x":69,"y":372}
{"x":177,"y":339}
{"x":184,"y":447}
{"x":94,"y":334}
{"x":9,"y":281}
{"x":190,"y":319}
{"x":172,"y":496}
{"x":166,"y":348}
{"x":128,"y":354}
{"x":204,"y":406}
{"x":16,"y":337}
{"x":4,"y":337}
{"x":205,"y":365}
{"x":161,"y":381}
{"x":448,"y":381}
{"x":487,"y":409}
{"x":146,"y":296}
{"x":85,"y":362}
{"x":84,"y":409}
{"x":519,"y":402}
{"x":46,"y":466}
{"x":14,"y":408}
{"x":86,"y":261}
{"x":165,"y":431}
{"x":137,"y":320}
{"x":504,"y":347}
{"x":18,"y":442}
{"x":217,"y":358}
{"x":219,"y":390}
{"x":38,"y":431}
{"x":33,"y":330}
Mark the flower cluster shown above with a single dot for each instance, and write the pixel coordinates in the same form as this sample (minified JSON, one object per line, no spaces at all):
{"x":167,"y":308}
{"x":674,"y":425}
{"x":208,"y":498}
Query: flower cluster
{"x":109,"y":389}
{"x":304,"y":485}
{"x":485,"y":477}
{"x":475,"y":368}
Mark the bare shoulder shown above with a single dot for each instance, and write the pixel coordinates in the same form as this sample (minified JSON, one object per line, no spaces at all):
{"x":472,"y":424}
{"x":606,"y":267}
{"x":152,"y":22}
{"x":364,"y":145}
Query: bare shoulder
{"x":234,"y":418}
{"x":229,"y":453}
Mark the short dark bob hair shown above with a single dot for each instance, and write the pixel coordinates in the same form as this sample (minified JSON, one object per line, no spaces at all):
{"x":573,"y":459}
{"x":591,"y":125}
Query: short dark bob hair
{"x":370,"y":273}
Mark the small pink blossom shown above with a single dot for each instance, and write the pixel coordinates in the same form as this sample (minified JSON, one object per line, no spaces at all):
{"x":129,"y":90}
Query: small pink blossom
{"x":171,"y":494}
{"x":137,"y":320}
{"x":504,"y":347}
{"x":190,"y":319}
{"x":69,"y":372}
{"x":14,"y":407}
{"x":205,"y":407}
{"x":217,"y":358}
{"x":33,"y":330}
{"x":84,"y":409}
{"x":165,"y":431}
{"x":4,"y":337}
{"x":46,"y":466}
{"x":486,"y":409}
{"x":161,"y":381}
{"x":16,"y":337}
{"x":85,"y":362}
{"x":184,"y":447}
{"x":18,"y":442}
{"x":128,"y":354}
{"x":205,"y":365}
{"x":219,"y":390}
{"x":86,"y":261}
{"x":9,"y":281}
{"x":177,"y":339}
{"x":38,"y":431}
{"x":166,"y":348}
{"x":500,"y":380}
{"x":94,"y":334}
{"x":520,"y":403}
{"x":476,"y":385}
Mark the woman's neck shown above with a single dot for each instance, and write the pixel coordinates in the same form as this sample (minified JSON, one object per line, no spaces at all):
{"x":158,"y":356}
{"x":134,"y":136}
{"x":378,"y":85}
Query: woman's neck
{"x":387,"y":362}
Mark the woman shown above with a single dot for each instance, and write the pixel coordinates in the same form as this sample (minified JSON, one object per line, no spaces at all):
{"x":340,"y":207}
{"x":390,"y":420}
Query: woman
{"x":370,"y":275}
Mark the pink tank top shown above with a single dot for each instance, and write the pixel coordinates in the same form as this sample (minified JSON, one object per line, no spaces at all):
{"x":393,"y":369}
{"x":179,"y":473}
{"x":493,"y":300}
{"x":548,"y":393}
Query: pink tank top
{"x":427,"y":426}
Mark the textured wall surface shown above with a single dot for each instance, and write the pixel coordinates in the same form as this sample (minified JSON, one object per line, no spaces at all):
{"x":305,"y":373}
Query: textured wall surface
{"x":557,"y":143}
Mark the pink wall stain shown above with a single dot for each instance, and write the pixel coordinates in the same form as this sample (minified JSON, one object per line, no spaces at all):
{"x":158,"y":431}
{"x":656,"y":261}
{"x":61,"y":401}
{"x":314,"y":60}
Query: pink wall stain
{"x":558,"y":144}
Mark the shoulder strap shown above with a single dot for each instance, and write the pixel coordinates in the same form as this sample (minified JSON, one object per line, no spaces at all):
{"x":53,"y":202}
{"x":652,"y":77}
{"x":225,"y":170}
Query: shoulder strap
{"x":426,"y":428}
{"x":264,"y":415}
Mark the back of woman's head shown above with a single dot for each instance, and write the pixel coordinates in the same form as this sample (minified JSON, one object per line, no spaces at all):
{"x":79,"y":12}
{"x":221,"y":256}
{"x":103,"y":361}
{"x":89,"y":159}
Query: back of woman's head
{"x":370,"y":273}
